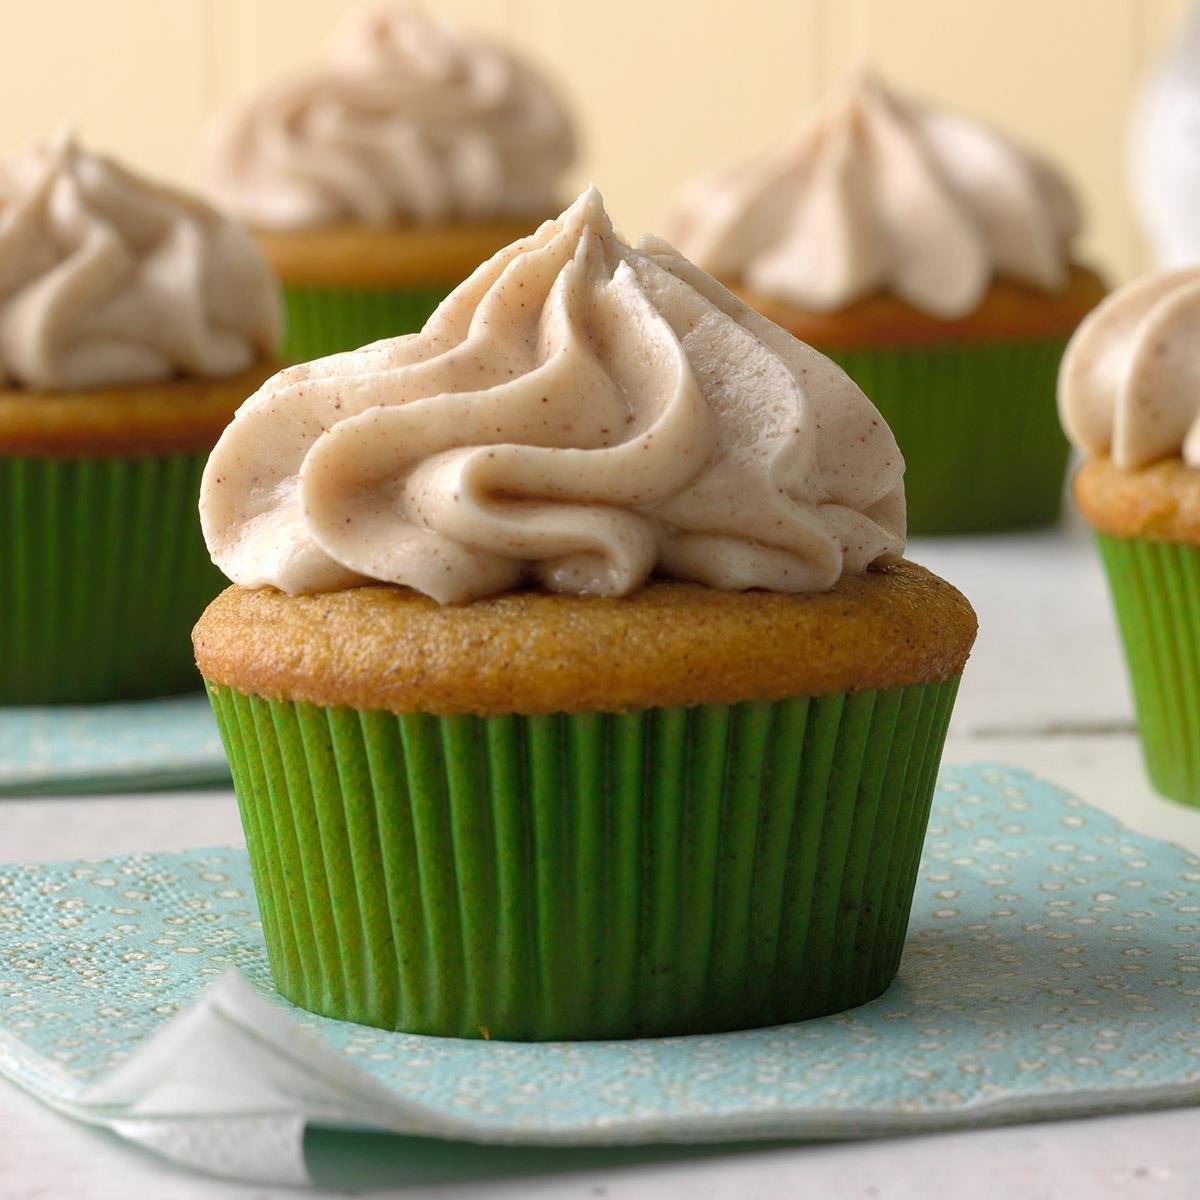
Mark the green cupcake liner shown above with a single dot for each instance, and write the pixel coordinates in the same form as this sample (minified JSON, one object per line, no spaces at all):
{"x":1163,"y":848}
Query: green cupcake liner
{"x":978,"y":428}
{"x":103,"y":573}
{"x":328,"y":320}
{"x":1155,"y":588}
{"x":588,"y":875}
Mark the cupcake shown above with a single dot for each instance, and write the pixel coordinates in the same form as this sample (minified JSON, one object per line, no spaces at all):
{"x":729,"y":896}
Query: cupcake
{"x":133,"y":321}
{"x":1128,"y":400}
{"x":379,"y":180}
{"x":931,"y":258}
{"x":572,"y":680}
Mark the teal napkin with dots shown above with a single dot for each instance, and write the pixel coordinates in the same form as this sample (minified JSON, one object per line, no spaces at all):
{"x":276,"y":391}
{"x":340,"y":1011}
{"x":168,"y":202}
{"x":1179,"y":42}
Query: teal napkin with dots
{"x":1052,"y":969}
{"x":110,"y":747}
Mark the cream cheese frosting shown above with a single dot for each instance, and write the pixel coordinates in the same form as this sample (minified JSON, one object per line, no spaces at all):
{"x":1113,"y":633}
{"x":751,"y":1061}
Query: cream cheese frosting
{"x":579,"y":413}
{"x":1129,"y":386}
{"x":107,"y":278}
{"x":408,"y":119}
{"x":877,"y":192}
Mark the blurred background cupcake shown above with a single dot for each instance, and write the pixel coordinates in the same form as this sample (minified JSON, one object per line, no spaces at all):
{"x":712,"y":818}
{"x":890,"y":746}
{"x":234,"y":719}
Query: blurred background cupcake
{"x":931,"y":257}
{"x":499,"y":780}
{"x":379,"y":179}
{"x":133,"y":321}
{"x":1130,"y":400}
{"x":1164,"y":148}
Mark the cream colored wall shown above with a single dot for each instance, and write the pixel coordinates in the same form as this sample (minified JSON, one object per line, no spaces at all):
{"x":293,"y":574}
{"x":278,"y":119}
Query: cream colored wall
{"x":662,"y":87}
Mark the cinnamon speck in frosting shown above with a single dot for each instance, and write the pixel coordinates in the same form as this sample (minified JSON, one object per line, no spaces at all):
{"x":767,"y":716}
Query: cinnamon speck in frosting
{"x":1130,"y":380}
{"x":107,"y":278}
{"x":480,"y":452}
{"x":409,"y":118}
{"x":879,"y":192}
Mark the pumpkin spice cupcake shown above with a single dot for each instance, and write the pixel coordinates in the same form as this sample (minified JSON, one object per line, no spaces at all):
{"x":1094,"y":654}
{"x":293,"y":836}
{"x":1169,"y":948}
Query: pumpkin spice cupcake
{"x":133,"y":321}
{"x":931,"y":257}
{"x":572,"y":680}
{"x":1129,"y":401}
{"x":379,"y":180}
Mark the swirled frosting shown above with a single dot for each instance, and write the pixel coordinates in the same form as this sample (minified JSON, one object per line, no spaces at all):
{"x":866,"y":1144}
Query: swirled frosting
{"x":108,"y":279}
{"x":1129,"y":386}
{"x":876,"y":192}
{"x":577,"y":412}
{"x":409,"y":118}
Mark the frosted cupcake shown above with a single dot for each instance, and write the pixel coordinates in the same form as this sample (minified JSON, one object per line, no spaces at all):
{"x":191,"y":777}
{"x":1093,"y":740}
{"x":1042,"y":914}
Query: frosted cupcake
{"x":572,"y":682}
{"x":133,"y":321}
{"x":1129,"y":401}
{"x":378,"y":180}
{"x":931,"y":257}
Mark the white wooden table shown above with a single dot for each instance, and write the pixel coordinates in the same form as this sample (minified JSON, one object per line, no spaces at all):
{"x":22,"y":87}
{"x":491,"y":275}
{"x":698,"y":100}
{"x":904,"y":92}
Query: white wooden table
{"x":1045,"y":691}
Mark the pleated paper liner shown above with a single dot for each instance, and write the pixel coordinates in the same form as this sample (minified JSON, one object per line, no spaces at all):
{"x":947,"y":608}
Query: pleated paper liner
{"x":103,"y":573}
{"x":663,"y":871}
{"x":1156,"y":592}
{"x":328,"y":320}
{"x":978,"y":428}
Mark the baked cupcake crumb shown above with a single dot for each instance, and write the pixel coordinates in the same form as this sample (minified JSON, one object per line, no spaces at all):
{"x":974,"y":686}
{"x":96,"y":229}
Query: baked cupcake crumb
{"x":671,"y":643}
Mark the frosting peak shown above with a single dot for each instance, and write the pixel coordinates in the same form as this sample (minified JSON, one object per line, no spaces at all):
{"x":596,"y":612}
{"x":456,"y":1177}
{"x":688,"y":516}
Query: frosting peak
{"x":409,"y":118}
{"x":578,"y":412}
{"x":1129,"y":385}
{"x":875,"y":192}
{"x":108,"y":279}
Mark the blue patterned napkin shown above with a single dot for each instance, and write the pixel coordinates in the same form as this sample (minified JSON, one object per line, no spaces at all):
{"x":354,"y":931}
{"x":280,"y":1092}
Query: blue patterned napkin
{"x":1052,"y":969}
{"x":110,"y":747}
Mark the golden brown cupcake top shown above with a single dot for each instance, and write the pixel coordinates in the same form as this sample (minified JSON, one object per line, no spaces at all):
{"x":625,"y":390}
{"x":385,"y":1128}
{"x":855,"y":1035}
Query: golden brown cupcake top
{"x":1008,"y":311}
{"x":1160,"y":502}
{"x":668,"y":644}
{"x":400,"y":255}
{"x":177,"y":416}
